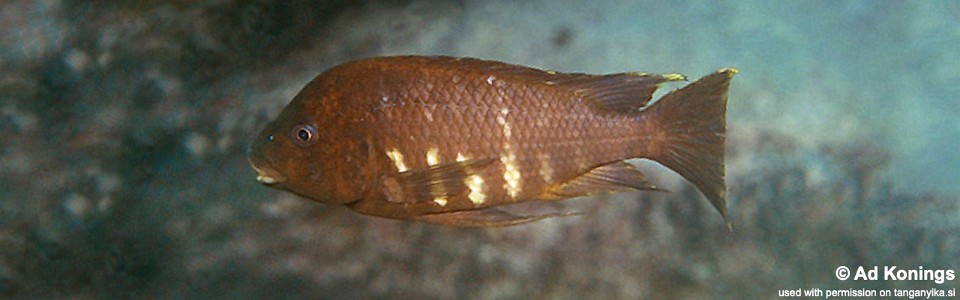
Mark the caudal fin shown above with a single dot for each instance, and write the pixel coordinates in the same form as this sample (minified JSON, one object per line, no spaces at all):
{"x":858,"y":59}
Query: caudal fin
{"x":691,"y":127}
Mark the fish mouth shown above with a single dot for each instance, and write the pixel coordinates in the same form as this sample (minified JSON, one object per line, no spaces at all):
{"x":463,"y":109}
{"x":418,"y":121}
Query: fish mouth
{"x":266,"y":175}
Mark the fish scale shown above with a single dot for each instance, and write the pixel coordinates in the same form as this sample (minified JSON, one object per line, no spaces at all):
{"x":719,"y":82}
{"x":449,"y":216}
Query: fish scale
{"x":524,"y":108}
{"x":452,"y":141}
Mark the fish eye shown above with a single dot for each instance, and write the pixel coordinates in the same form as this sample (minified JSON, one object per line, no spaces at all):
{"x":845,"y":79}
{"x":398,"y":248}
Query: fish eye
{"x":303,"y":135}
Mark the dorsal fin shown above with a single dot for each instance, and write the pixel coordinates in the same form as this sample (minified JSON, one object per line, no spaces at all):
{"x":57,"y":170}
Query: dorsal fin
{"x":621,"y":92}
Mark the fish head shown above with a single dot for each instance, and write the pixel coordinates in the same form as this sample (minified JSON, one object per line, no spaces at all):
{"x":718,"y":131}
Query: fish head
{"x":309,"y":150}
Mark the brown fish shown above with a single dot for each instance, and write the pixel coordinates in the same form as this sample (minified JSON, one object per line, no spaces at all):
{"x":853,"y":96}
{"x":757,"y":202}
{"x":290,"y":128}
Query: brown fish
{"x":449,"y":140}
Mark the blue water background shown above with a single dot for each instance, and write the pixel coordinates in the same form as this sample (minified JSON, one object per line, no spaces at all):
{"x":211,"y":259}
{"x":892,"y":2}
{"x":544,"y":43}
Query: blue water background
{"x":125,"y":127}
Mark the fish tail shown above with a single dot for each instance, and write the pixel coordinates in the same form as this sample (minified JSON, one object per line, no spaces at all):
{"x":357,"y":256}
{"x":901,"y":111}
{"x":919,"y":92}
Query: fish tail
{"x":689,"y":133}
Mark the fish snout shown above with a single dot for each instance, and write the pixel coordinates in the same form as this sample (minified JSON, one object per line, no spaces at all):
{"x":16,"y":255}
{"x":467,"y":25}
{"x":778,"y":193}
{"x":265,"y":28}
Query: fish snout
{"x":265,"y":174}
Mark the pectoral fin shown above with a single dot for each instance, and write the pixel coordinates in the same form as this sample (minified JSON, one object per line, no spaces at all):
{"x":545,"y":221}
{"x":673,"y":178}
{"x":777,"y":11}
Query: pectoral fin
{"x":610,"y":178}
{"x":490,"y":217}
{"x":427,"y":184}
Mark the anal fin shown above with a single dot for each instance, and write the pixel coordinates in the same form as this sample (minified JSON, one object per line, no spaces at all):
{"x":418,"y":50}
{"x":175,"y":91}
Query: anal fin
{"x":614,"y":177}
{"x":427,"y":184}
{"x":489,"y":217}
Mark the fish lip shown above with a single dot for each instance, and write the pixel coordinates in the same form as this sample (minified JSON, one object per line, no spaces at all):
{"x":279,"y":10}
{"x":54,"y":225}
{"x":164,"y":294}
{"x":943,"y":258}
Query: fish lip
{"x":265,"y":175}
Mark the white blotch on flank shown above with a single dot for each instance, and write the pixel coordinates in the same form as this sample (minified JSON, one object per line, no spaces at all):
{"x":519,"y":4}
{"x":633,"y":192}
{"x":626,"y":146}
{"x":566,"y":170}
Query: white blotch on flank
{"x":491,"y":79}
{"x":397,"y":159}
{"x":433,"y":158}
{"x":511,"y":175}
{"x":507,"y":132}
{"x":427,"y":113}
{"x":546,"y":167}
{"x":511,"y":172}
{"x":578,"y":158}
{"x":475,"y":183}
